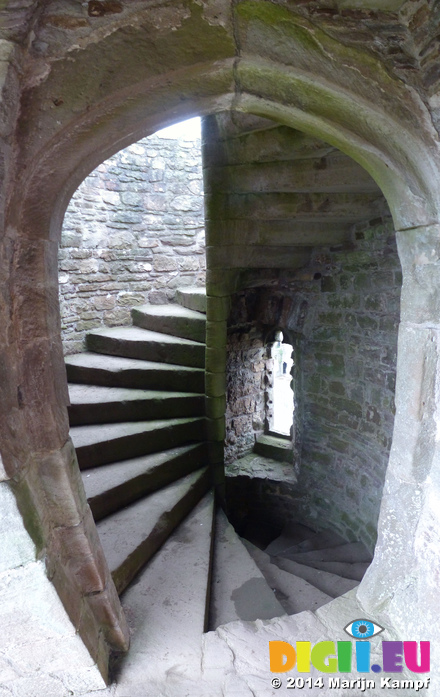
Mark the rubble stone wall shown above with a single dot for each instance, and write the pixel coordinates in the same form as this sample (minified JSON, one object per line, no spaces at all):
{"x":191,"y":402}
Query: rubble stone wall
{"x":132,"y":234}
{"x":245,"y":406}
{"x":342,"y":314}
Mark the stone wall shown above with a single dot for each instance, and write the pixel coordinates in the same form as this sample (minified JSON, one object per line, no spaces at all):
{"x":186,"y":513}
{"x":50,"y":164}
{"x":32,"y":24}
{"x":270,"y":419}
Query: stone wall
{"x":245,"y":406}
{"x":133,"y":233}
{"x":46,"y":653}
{"x":342,"y":313}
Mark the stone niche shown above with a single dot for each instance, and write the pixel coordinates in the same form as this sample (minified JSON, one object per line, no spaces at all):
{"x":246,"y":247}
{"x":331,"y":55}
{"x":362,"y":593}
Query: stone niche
{"x":133,"y":232}
{"x":342,"y":312}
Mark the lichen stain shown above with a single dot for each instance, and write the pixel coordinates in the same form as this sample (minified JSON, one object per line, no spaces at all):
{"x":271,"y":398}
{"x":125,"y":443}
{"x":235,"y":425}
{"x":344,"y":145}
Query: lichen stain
{"x":215,"y":12}
{"x":166,"y":18}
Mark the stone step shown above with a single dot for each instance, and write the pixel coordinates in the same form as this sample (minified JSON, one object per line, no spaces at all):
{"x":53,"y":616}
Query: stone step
{"x":92,"y":404}
{"x":275,"y":448}
{"x":239,"y":589}
{"x":134,"y":342}
{"x":293,"y":533}
{"x":166,"y":610}
{"x":131,"y":536}
{"x":331,"y":584}
{"x":111,"y":487}
{"x":115,"y":371}
{"x":351,"y":552}
{"x":105,"y":443}
{"x":327,"y":208}
{"x":320,"y":540}
{"x":297,"y":176}
{"x":171,"y":319}
{"x":192,"y":297}
{"x":293,"y":592}
{"x":355,"y":571}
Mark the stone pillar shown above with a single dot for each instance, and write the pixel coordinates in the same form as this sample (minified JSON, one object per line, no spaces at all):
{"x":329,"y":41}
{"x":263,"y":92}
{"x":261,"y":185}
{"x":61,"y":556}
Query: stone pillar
{"x":36,"y":450}
{"x":220,"y":283}
{"x":403,"y":581}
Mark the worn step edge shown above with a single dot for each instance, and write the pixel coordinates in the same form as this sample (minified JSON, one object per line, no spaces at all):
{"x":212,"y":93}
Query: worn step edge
{"x":274,"y":448}
{"x":116,"y":371}
{"x":292,"y":534}
{"x":166,"y":523}
{"x":91,"y":404}
{"x":329,"y":583}
{"x":192,"y":297}
{"x":239,"y":589}
{"x":174,"y":320}
{"x":167,"y":467}
{"x":294,"y":593}
{"x":355,"y":572}
{"x":166,"y":609}
{"x":325,"y":539}
{"x":208,"y":594}
{"x":147,"y":437}
{"x":349,"y":552}
{"x":134,"y":342}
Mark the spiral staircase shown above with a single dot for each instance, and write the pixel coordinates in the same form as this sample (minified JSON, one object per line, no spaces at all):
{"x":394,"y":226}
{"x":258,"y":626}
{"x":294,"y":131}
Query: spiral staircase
{"x":137,"y":423}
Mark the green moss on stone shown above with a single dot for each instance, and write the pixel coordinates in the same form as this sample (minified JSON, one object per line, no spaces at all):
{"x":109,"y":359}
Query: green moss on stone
{"x":29,"y":514}
{"x":312,"y":38}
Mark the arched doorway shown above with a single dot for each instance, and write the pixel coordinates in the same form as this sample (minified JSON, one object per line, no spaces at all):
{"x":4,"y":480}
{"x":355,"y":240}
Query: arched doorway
{"x":391,"y":138}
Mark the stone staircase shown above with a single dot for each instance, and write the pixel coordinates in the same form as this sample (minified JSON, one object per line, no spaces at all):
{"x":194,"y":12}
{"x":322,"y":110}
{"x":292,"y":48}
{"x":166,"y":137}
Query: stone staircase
{"x":137,"y":423}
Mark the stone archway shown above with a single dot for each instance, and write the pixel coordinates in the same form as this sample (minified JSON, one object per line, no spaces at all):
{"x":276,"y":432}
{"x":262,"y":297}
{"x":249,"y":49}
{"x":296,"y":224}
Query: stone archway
{"x":286,"y":70}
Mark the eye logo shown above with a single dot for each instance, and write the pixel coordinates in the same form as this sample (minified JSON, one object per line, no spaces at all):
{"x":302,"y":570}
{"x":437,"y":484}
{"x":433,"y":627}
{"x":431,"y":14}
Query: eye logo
{"x":363,"y":629}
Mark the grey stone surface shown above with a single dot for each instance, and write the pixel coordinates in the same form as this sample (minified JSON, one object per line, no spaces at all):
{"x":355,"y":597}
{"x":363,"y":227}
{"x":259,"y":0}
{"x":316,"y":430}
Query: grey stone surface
{"x":104,"y":443}
{"x":344,"y":327}
{"x":167,"y":636}
{"x":276,"y":448}
{"x":116,"y":371}
{"x":331,"y":584}
{"x":134,"y":342}
{"x":255,"y":466}
{"x":239,"y":589}
{"x":133,"y":230}
{"x":110,"y":487}
{"x":171,"y":319}
{"x":40,"y":651}
{"x":132,"y":535}
{"x":293,"y":592}
{"x":193,"y":298}
{"x":16,"y":545}
{"x":321,"y":540}
{"x":235,"y":656}
{"x":352,"y":570}
{"x":292,"y":534}
{"x":98,"y":404}
{"x":351,"y":552}
{"x":245,"y":407}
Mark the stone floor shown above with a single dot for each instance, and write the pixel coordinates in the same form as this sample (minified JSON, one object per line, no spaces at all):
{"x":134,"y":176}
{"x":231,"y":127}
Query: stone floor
{"x":234,"y":660}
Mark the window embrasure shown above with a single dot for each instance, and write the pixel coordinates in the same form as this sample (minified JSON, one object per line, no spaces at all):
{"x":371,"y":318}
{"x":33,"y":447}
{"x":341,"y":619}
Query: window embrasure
{"x":279,"y":391}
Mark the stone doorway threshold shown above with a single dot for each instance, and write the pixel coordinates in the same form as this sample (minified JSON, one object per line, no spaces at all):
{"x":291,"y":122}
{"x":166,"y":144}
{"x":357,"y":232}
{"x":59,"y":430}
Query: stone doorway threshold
{"x":233,"y":661}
